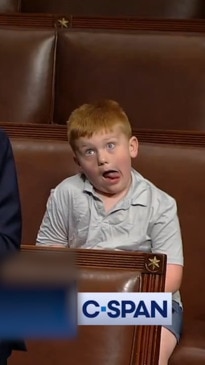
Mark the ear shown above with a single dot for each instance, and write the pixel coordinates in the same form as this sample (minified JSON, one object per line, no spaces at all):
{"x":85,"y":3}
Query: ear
{"x":133,"y":147}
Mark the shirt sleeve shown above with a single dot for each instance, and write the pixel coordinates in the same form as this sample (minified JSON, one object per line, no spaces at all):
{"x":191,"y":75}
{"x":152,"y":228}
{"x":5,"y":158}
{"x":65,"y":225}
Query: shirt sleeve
{"x":10,"y":208}
{"x":165,"y":231}
{"x":54,"y":226}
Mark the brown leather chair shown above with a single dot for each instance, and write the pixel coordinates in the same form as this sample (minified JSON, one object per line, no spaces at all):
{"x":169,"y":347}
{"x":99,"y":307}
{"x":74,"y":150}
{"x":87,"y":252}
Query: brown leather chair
{"x":27,"y":75}
{"x":141,"y":8}
{"x":42,"y":164}
{"x":156,"y":76}
{"x":179,"y":170}
{"x":7,"y":6}
{"x":104,"y":271}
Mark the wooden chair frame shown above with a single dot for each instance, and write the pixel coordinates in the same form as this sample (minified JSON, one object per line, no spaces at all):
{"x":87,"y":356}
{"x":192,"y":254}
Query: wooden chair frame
{"x":152,"y":269}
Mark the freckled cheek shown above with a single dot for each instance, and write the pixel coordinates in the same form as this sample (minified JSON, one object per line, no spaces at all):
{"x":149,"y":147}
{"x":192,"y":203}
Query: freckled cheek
{"x":89,"y":165}
{"x":124,"y":163}
{"x":91,"y":171}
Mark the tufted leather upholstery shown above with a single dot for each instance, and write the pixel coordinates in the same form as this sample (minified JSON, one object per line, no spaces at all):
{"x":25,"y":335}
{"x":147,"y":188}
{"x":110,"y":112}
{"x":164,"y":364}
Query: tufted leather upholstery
{"x":158,"y":77}
{"x":26,"y":73}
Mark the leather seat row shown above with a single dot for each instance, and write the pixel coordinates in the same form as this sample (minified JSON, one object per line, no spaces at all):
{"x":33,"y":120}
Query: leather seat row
{"x":141,"y":8}
{"x":158,"y":77}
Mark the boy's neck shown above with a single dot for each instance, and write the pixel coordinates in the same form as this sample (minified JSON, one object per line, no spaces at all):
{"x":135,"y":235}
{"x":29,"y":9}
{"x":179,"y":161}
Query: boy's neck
{"x":110,"y":200}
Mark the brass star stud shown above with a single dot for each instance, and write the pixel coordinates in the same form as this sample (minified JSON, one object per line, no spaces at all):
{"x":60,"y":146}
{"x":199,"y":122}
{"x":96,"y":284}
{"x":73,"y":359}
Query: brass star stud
{"x":154,"y":263}
{"x":63,"y":22}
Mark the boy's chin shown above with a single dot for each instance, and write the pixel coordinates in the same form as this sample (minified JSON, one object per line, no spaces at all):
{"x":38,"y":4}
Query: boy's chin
{"x":106,"y":192}
{"x":109,"y":192}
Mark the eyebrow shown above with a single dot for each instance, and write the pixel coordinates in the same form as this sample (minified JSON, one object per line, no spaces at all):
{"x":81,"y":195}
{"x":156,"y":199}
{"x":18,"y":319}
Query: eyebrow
{"x":89,"y":144}
{"x":86,"y":145}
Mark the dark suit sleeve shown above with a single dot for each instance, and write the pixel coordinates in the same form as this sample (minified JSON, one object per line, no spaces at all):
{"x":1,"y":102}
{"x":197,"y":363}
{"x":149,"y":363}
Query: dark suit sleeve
{"x":10,"y":209}
{"x":10,"y":220}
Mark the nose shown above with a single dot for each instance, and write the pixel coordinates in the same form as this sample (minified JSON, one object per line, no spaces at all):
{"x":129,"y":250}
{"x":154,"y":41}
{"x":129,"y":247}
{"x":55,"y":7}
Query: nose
{"x":101,"y":158}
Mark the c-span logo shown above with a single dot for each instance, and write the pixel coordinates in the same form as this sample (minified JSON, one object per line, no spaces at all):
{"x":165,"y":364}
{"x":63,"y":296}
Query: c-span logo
{"x":124,"y":309}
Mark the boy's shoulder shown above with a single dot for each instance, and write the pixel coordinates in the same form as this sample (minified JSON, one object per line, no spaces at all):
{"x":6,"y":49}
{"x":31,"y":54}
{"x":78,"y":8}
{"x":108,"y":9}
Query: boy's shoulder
{"x":74,"y":183}
{"x":148,"y":193}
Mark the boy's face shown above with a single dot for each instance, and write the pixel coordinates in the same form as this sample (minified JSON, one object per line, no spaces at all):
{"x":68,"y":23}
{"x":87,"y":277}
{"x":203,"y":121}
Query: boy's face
{"x":105,"y":159}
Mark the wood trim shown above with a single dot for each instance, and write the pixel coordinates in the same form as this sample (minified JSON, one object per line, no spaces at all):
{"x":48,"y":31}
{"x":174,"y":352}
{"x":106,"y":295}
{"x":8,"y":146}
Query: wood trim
{"x":176,"y":137}
{"x":110,"y":259}
{"x":35,"y":131}
{"x":125,"y":23}
{"x":140,"y":24}
{"x":27,"y":20}
{"x":59,"y":133}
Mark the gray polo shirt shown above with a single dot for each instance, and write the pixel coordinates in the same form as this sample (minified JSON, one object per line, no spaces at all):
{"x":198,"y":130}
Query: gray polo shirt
{"x":145,"y":219}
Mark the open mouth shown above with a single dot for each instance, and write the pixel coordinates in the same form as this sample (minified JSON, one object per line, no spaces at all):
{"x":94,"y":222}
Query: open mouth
{"x":111,"y":174}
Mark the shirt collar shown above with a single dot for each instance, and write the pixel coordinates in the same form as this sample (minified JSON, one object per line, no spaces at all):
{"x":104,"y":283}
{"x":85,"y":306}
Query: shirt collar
{"x":137,"y":194}
{"x":138,"y":189}
{"x":88,"y":187}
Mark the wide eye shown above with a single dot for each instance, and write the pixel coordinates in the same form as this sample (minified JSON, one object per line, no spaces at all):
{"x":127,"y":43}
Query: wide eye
{"x":89,"y":152}
{"x":110,"y":145}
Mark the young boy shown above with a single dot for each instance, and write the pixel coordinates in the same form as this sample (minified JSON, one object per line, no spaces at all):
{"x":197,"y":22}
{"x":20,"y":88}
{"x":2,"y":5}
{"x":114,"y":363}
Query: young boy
{"x":109,"y":205}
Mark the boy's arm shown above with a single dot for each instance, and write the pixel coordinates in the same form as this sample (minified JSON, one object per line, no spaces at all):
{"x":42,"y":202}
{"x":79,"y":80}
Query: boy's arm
{"x":173,"y":278}
{"x":166,"y":238}
{"x":54,"y":226}
{"x":10,"y":209}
